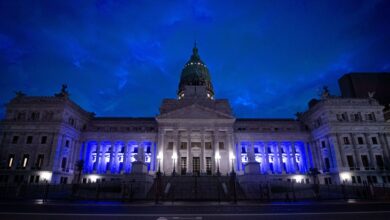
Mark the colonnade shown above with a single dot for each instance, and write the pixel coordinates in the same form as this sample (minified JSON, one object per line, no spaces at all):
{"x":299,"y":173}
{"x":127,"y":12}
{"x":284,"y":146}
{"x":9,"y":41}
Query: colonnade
{"x":275,"y":157}
{"x":115,"y":157}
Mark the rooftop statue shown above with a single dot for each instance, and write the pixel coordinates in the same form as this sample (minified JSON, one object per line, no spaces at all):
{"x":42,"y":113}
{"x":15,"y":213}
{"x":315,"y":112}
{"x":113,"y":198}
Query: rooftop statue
{"x":63,"y":92}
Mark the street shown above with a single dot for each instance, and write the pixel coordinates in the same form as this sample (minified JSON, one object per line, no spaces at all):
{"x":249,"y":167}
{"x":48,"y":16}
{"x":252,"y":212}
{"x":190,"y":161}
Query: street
{"x":191,"y":210}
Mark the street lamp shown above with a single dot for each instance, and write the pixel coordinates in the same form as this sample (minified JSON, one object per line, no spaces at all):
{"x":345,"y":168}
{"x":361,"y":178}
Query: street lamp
{"x":217,"y":158}
{"x":174,"y":157}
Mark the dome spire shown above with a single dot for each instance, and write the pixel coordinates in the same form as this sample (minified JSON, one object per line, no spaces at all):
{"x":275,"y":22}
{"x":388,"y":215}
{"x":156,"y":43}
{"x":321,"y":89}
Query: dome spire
{"x":195,"y":49}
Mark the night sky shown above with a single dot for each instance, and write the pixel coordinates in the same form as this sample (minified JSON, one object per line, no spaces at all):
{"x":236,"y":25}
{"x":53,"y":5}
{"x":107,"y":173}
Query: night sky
{"x":121,"y":58}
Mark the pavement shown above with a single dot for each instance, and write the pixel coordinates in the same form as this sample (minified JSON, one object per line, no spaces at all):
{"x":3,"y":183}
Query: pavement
{"x":81,"y":210}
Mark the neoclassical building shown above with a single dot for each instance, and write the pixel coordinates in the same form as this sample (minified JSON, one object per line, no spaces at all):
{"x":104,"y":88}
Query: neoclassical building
{"x":42,"y":138}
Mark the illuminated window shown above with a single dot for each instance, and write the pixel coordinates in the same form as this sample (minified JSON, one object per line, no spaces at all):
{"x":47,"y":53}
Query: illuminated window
{"x":11,"y":160}
{"x":25,"y":160}
{"x":39,"y":161}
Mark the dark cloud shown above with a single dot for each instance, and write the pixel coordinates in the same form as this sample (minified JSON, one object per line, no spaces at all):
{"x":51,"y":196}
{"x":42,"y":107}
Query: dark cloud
{"x":123,"y":57}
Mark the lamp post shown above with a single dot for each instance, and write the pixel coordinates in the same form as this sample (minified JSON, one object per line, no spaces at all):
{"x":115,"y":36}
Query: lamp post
{"x":174,"y":157}
{"x":217,"y":158}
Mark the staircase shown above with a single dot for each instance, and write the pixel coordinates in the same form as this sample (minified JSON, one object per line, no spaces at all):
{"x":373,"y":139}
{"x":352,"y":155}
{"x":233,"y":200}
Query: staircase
{"x":202,"y":188}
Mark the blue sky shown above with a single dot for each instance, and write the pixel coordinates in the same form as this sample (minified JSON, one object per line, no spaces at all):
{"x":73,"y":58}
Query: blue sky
{"x":121,"y":58}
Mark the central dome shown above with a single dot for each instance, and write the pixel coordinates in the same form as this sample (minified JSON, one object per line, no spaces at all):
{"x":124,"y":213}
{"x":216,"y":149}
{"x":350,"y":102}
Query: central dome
{"x":195,"y":73}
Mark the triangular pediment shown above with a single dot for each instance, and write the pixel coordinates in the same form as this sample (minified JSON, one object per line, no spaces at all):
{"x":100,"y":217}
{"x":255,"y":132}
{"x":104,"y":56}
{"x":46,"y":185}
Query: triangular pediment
{"x":195,"y":111}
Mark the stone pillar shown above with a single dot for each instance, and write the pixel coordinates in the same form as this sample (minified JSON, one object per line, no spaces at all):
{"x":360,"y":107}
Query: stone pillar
{"x":335,"y":152}
{"x":356,"y":153}
{"x":189,"y":155}
{"x":341,"y":151}
{"x":160,"y":149}
{"x":126,"y":158}
{"x":96,"y":167}
{"x":280,"y":156}
{"x":215,"y":147}
{"x":294,"y":157}
{"x":238,"y":156}
{"x":112,"y":162}
{"x":307,"y":156}
{"x":86,"y":157}
{"x":320,"y":158}
{"x":385,"y":148}
{"x":202,"y":163}
{"x":266,"y":158}
{"x":370,"y":154}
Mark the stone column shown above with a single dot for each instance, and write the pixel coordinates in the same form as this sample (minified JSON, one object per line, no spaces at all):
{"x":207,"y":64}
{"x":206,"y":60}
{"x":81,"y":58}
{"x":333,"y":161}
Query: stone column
{"x":341,"y":150}
{"x":238,"y":156}
{"x":215,"y":147}
{"x":370,"y":154}
{"x":112,"y":162}
{"x":96,"y":164}
{"x":266,"y":158}
{"x":307,"y":156}
{"x":280,"y":156}
{"x":202,"y":170}
{"x":336,"y":154}
{"x":160,"y":149}
{"x":126,"y":159}
{"x":320,"y":158}
{"x":385,"y":148}
{"x":356,"y":153}
{"x":189,"y":155}
{"x":294,"y":157}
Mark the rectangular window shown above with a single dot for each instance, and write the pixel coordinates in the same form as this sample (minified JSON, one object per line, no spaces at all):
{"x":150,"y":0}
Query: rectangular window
{"x":29,"y":139}
{"x":11,"y":159}
{"x":351,"y":164}
{"x":327,"y":163}
{"x":208,"y":165}
{"x":63,"y":163}
{"x":379,"y":161}
{"x":374,"y":140}
{"x":15,"y":139}
{"x":25,"y":161}
{"x":353,"y":179}
{"x":346,"y":140}
{"x":183,"y":145}
{"x":183,"y":164}
{"x":365,"y":161}
{"x":360,"y":140}
{"x":221,"y":145}
{"x":43,"y":139}
{"x":67,"y":143}
{"x":323,"y":144}
{"x":39,"y":161}
{"x":207,"y":145}
{"x":170,"y":145}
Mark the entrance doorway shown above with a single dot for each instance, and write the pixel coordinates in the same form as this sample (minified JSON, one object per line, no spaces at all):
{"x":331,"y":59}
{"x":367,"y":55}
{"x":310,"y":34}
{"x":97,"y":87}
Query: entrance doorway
{"x":196,"y":165}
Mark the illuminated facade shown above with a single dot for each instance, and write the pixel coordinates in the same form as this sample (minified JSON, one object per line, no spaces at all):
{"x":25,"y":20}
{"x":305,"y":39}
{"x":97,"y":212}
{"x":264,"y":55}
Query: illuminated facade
{"x":42,"y":138}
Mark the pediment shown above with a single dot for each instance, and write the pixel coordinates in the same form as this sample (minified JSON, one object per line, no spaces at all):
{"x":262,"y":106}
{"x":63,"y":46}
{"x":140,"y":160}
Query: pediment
{"x":195,"y":111}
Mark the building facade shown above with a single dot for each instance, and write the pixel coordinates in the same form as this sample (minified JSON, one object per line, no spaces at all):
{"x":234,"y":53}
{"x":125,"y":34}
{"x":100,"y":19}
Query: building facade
{"x":52,"y":139}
